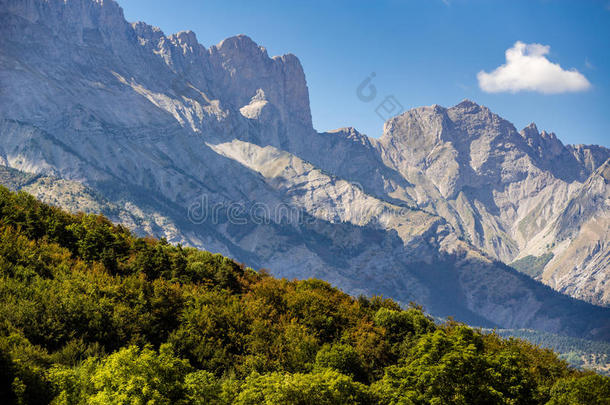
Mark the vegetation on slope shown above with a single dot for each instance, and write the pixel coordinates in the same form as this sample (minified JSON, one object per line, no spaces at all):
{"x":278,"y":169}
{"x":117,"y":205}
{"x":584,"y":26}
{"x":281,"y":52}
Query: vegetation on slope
{"x":531,"y":265}
{"x":581,"y":353}
{"x":89,"y":313}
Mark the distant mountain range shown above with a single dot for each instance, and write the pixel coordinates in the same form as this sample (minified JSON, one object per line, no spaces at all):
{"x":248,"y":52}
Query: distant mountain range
{"x":215,"y":148}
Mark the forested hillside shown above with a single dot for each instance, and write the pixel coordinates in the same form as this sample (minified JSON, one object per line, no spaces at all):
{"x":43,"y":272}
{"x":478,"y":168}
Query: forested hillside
{"x":90,"y":313}
{"x":581,"y":353}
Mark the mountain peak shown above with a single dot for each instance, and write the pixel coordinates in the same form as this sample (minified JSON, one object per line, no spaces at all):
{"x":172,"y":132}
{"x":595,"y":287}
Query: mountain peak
{"x":250,"y":68}
{"x":537,"y":138}
{"x":239,"y":43}
{"x":147,"y":32}
{"x":466,"y":103}
{"x":548,"y":135}
{"x":187,"y":38}
{"x":531,"y":127}
{"x":438,"y":108}
{"x":470,"y":107}
{"x":530,"y":133}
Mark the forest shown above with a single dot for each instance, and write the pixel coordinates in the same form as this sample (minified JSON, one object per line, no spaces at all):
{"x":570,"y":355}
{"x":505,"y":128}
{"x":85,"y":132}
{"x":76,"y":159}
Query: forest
{"x":93,"y":314}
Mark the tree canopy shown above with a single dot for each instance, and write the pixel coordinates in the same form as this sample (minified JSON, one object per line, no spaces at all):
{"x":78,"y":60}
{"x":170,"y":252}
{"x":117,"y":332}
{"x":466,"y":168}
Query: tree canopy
{"x":92,"y":314}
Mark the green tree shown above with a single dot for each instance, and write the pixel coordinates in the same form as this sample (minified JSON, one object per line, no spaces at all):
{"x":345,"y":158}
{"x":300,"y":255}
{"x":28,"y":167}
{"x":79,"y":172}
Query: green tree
{"x":202,"y":387}
{"x":129,"y":376}
{"x":449,"y":366}
{"x":342,"y":358}
{"x":74,"y":288}
{"x":591,"y":389}
{"x":327,"y":387}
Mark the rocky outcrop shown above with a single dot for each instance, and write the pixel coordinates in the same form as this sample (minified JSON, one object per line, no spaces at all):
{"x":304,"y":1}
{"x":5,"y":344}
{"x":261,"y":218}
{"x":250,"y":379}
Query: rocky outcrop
{"x":582,"y":236}
{"x":590,"y":156}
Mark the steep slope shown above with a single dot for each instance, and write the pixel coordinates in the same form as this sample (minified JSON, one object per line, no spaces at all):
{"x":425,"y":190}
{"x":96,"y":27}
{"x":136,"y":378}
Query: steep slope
{"x":218,"y":144}
{"x":500,"y":189}
{"x":583,"y":241}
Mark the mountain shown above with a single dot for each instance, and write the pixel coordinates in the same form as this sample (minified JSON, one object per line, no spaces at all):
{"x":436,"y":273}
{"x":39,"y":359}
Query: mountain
{"x":514,"y":195}
{"x":215,"y":148}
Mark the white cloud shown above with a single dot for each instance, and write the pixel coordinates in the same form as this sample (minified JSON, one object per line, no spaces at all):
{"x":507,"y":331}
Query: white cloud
{"x":528,"y":69}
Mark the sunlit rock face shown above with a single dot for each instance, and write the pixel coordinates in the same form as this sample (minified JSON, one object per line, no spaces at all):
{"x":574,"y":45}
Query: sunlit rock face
{"x":214,"y":148}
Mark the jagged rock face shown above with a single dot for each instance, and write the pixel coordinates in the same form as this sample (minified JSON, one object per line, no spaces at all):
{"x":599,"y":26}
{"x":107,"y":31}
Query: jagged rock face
{"x":104,"y":58}
{"x":590,"y":156}
{"x":581,"y":259}
{"x":507,"y":192}
{"x":214,"y":148}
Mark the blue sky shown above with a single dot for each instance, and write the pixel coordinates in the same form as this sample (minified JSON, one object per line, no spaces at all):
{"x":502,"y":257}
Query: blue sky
{"x":422,"y":52}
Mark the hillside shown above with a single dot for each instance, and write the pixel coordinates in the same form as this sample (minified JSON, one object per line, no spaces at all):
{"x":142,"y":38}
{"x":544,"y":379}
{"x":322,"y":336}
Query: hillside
{"x":89,"y":313}
{"x":580,"y":353}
